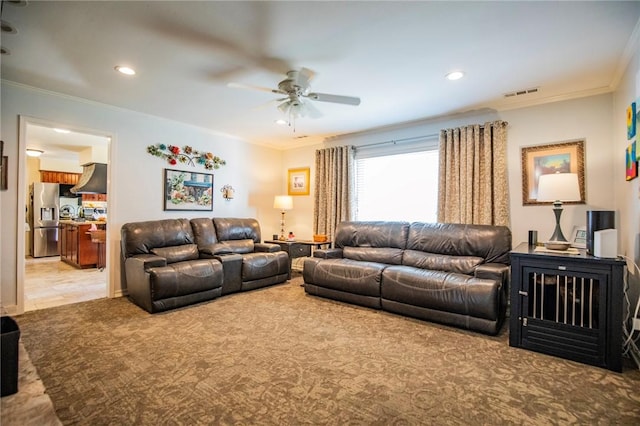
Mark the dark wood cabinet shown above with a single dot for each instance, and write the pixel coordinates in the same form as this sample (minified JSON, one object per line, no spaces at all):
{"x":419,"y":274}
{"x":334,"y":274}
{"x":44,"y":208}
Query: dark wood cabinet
{"x":296,"y":249}
{"x":76,"y":246}
{"x":567,"y":305}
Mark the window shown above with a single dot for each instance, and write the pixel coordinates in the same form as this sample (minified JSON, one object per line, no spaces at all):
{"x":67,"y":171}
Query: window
{"x":401,"y":187}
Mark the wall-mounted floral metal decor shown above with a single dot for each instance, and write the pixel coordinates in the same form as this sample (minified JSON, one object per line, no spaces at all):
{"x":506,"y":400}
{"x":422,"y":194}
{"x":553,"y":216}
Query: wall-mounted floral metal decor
{"x":185,"y":155}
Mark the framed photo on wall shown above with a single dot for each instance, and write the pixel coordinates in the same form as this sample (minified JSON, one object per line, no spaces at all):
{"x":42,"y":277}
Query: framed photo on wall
{"x":298,"y":181}
{"x":187,"y":190}
{"x":564,"y":157}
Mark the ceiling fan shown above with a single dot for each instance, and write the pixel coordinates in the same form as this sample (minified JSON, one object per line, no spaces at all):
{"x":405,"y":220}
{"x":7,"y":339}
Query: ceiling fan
{"x":297,"y":90}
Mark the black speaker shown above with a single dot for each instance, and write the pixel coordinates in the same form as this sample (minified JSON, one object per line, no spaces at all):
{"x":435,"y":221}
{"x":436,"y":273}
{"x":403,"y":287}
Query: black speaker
{"x":597,"y":220}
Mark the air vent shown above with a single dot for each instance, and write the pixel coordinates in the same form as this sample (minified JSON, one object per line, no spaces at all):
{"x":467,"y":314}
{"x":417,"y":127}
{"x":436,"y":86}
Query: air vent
{"x":522,"y":92}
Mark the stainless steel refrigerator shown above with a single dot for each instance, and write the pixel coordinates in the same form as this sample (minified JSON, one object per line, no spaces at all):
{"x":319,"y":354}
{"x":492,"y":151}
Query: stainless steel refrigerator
{"x":45,"y":214}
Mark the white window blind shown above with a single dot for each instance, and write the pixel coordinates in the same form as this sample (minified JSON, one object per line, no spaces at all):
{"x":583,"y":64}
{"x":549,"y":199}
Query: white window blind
{"x":398,"y":186}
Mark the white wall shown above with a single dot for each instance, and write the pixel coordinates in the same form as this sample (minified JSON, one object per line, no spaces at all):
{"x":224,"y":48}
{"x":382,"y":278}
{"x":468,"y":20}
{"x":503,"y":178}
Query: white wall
{"x":300,"y":219}
{"x":627,"y":194}
{"x":585,"y":118}
{"x":135,"y":177}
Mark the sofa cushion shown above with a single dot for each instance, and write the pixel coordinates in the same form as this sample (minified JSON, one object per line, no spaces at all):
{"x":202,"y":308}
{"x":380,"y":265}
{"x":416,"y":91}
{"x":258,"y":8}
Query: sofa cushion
{"x":175,"y":254}
{"x":183,"y":278}
{"x":492,"y":243}
{"x":372,"y":241}
{"x":203,"y":231}
{"x":141,"y":237}
{"x":441,"y":262}
{"x":237,"y":229}
{"x":391,"y":256}
{"x":257,"y":266}
{"x":232,"y":246}
{"x":346,"y":275}
{"x":442,"y":291}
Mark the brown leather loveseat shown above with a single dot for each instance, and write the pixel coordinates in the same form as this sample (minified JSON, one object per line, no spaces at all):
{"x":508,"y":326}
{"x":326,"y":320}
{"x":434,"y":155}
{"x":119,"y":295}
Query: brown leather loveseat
{"x":448,"y":273}
{"x":171,"y":263}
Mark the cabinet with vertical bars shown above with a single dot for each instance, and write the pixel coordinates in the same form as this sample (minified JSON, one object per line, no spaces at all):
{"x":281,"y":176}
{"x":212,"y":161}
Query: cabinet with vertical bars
{"x":567,"y":305}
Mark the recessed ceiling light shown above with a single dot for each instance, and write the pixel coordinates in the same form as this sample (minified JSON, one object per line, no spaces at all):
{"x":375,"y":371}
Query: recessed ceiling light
{"x":125,"y":70}
{"x":281,"y":122}
{"x":65,"y":131}
{"x":455,"y":75}
{"x":34,"y":152}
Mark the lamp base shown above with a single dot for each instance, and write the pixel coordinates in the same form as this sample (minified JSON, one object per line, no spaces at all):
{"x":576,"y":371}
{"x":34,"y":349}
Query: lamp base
{"x":557,"y":233}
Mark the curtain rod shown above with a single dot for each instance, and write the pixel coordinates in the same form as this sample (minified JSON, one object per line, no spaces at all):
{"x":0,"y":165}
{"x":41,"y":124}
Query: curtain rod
{"x":395,"y":141}
{"x":411,"y":139}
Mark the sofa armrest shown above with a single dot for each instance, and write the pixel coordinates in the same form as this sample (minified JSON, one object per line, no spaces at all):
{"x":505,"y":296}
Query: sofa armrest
{"x":138,"y":286}
{"x":231,"y":272}
{"x":331,"y":253}
{"x":146,"y":261}
{"x":494,"y":271}
{"x":266,"y":248}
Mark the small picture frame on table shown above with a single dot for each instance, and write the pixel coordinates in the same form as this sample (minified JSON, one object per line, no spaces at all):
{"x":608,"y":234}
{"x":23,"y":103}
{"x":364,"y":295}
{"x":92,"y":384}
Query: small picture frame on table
{"x":579,"y":237}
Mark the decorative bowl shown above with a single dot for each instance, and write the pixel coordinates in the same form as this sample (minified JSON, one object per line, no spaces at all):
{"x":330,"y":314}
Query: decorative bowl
{"x":319,"y":238}
{"x":557,"y":245}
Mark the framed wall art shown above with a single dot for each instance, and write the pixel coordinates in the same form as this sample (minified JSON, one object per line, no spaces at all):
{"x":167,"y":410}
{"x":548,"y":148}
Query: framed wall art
{"x":4,"y":165}
{"x":631,"y":162}
{"x":563,"y":157}
{"x":298,"y":181}
{"x":188,"y":190}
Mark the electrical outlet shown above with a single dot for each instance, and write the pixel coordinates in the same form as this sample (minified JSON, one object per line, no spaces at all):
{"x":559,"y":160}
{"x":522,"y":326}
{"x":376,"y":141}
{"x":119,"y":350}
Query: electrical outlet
{"x":636,"y":324}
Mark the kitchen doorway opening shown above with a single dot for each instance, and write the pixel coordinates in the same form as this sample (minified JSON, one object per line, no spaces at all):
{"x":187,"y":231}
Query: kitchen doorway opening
{"x":72,"y":267}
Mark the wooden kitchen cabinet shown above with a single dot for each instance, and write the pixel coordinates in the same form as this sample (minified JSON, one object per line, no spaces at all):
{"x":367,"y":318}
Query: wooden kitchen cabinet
{"x":94,"y":197}
{"x":59,"y":177}
{"x":76,"y":247}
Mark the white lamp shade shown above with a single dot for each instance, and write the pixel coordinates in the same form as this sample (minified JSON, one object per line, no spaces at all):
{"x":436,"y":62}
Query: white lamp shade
{"x":283,"y":202}
{"x":558,"y":187}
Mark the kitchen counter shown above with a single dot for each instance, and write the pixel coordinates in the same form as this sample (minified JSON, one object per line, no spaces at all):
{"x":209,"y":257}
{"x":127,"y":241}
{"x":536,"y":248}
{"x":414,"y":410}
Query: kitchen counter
{"x":77,"y":247}
{"x":77,"y":223}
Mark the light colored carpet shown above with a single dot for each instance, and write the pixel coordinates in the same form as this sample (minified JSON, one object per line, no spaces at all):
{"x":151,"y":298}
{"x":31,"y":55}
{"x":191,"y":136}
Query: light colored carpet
{"x":278,"y":356}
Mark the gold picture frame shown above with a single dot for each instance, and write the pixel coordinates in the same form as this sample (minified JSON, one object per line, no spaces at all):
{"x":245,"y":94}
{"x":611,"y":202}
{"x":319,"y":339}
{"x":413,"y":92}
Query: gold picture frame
{"x":563,"y":157}
{"x":298,"y":181}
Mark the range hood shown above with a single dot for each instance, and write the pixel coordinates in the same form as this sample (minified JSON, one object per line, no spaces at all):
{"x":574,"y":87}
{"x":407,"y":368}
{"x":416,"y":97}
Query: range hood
{"x":93,"y":179}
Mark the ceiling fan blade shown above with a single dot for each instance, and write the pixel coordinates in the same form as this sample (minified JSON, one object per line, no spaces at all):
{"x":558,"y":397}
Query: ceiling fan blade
{"x":305,"y":75}
{"x":324,"y":97}
{"x":252,"y":87}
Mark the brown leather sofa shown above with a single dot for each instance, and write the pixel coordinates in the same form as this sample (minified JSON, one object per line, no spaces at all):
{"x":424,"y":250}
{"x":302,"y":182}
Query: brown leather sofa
{"x":448,"y":273}
{"x":171,"y":263}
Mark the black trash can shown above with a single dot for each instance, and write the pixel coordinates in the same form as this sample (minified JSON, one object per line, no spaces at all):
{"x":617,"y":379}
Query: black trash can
{"x":10,"y":334}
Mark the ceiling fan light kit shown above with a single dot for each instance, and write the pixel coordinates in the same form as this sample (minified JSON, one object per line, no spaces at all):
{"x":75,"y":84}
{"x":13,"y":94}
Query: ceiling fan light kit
{"x":296,"y":87}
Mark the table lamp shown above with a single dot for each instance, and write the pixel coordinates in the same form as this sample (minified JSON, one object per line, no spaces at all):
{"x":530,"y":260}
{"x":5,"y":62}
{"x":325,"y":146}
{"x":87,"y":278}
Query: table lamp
{"x":282,"y":202}
{"x":558,"y":187}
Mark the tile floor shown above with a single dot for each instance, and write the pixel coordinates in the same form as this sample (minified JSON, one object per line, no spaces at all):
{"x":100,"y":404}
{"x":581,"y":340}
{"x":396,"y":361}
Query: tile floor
{"x":50,"y":282}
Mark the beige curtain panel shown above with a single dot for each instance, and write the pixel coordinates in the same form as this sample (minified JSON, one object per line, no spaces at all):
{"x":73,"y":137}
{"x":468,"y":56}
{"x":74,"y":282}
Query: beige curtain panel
{"x":473,"y":186}
{"x":334,"y":188}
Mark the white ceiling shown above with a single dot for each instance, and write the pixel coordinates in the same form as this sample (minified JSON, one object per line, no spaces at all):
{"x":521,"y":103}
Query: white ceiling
{"x":393,"y":55}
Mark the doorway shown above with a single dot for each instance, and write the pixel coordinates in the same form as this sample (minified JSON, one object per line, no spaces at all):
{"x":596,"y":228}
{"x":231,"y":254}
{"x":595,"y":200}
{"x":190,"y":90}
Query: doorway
{"x":52,"y":280}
